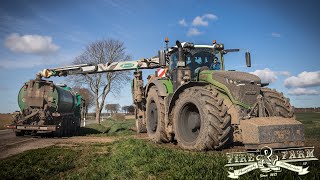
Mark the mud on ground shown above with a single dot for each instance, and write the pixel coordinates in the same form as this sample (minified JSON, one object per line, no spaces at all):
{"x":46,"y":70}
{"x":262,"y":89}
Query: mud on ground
{"x":18,"y":145}
{"x":11,"y":145}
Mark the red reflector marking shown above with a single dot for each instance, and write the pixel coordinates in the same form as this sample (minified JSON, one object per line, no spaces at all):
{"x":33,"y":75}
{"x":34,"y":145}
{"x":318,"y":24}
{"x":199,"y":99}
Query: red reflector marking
{"x":11,"y":127}
{"x":161,"y":72}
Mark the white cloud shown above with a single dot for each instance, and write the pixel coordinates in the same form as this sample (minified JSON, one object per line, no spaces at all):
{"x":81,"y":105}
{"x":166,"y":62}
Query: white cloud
{"x":210,"y":16}
{"x":183,"y":22}
{"x":284,"y":73}
{"x":203,"y":20}
{"x":274,"y":34}
{"x":304,"y":79}
{"x":193,"y":32}
{"x":304,"y":91}
{"x":33,"y":44}
{"x":266,"y":75}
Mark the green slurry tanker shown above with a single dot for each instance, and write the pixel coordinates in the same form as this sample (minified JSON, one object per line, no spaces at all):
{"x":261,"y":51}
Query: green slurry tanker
{"x":193,"y":100}
{"x":49,"y":108}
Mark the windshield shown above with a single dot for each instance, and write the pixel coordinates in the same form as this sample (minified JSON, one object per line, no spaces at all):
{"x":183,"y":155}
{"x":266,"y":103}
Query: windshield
{"x":199,"y":57}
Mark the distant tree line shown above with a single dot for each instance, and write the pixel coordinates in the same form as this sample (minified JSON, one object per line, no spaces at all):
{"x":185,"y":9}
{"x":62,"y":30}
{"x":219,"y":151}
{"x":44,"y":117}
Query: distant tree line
{"x":115,"y":108}
{"x":315,"y":109}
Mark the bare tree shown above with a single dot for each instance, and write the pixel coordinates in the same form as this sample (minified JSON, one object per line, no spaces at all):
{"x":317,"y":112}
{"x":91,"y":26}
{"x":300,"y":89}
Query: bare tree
{"x":101,"y":84}
{"x":86,"y":94}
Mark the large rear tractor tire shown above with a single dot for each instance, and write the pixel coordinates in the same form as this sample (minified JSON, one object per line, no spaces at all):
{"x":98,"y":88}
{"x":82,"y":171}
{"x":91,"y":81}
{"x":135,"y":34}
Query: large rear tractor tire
{"x":155,"y":117}
{"x":277,"y":103}
{"x":201,"y":121}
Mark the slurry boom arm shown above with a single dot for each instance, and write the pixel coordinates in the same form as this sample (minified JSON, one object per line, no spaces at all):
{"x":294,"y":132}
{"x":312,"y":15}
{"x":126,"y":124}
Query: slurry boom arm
{"x":101,"y":68}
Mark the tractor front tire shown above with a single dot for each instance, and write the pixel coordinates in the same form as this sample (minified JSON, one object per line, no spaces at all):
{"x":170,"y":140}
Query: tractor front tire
{"x":155,"y":117}
{"x":200,"y":120}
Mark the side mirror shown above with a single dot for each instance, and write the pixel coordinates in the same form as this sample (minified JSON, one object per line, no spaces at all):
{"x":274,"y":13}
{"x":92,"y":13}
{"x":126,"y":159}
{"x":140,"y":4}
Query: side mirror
{"x":162,"y":58}
{"x":248,"y":59}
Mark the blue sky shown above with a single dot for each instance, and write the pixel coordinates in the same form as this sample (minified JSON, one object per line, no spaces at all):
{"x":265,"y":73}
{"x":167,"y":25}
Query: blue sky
{"x":282,"y":37}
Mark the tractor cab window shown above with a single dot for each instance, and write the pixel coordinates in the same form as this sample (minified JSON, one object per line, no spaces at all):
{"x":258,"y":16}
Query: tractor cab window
{"x":198,"y":57}
{"x":173,"y":61}
{"x":203,"y":58}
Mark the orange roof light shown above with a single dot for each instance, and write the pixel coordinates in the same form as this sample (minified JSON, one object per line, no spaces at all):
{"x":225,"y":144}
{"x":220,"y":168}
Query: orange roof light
{"x":214,"y":41}
{"x":166,"y":40}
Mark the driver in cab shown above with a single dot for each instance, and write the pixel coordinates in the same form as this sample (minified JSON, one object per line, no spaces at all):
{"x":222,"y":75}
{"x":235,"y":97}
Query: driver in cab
{"x":215,"y":65}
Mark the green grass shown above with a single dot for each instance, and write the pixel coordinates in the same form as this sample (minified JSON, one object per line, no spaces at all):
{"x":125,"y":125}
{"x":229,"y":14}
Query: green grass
{"x":119,"y":127}
{"x":137,"y":159}
{"x":125,"y":159}
{"x":36,"y":164}
{"x":311,"y":123}
{"x":108,"y":127}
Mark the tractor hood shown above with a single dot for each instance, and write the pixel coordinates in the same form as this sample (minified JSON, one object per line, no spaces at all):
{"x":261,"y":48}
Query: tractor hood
{"x":244,"y":87}
{"x":236,"y":77}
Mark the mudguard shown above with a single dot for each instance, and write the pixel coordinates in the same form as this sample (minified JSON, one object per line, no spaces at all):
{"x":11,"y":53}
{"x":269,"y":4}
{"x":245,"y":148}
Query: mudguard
{"x":164,"y":86}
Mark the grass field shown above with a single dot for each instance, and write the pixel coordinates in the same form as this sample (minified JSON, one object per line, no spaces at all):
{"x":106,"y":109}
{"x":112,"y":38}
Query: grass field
{"x":109,"y":127}
{"x":130,"y":158}
{"x":311,"y":123}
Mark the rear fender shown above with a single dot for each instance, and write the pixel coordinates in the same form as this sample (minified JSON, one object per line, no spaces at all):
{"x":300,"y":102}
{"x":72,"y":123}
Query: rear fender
{"x":164,"y":86}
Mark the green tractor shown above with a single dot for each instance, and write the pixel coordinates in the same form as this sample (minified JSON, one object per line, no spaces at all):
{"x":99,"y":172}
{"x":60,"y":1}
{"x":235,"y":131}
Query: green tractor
{"x":194,"y":101}
{"x":202,"y":106}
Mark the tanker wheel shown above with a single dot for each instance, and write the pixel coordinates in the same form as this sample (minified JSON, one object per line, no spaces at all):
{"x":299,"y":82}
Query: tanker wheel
{"x":277,"y":104}
{"x":20,"y":133}
{"x":69,"y":127}
{"x":155,"y":117}
{"x":200,"y":120}
{"x":65,"y":127}
{"x":59,"y":131}
{"x":140,"y":125}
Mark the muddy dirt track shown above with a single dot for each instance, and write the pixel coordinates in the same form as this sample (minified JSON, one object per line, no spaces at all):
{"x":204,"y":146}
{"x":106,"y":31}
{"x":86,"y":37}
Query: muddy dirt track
{"x":11,"y":145}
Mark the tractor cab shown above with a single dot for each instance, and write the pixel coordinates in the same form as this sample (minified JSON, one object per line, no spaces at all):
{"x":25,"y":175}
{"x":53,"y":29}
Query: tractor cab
{"x":197,"y":58}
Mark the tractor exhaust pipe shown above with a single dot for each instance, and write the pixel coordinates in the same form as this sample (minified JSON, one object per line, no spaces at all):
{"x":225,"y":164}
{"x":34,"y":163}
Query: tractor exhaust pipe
{"x":248,"y":59}
{"x":181,"y":58}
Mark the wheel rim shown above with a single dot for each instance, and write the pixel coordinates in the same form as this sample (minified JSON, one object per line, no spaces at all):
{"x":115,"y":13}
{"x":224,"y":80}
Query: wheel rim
{"x":153,"y":117}
{"x":189,"y":123}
